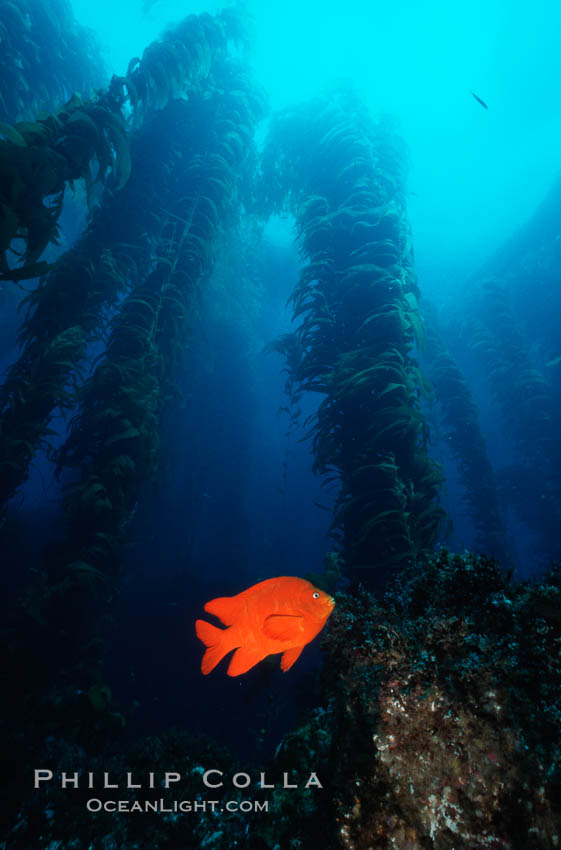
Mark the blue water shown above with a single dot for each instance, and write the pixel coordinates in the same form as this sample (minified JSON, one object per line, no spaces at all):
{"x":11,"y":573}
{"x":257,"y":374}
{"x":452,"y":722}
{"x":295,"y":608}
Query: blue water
{"x":475,"y":175}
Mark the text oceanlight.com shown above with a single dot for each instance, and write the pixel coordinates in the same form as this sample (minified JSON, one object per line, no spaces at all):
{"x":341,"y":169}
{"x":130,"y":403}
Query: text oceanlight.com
{"x":177,"y":806}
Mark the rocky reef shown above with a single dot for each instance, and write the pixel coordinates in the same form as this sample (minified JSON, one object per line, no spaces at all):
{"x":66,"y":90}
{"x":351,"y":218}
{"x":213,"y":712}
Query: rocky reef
{"x":441,"y":727}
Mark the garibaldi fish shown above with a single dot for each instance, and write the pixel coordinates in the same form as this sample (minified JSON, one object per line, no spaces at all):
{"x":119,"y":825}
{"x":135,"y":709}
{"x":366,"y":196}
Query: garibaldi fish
{"x":276,"y":615}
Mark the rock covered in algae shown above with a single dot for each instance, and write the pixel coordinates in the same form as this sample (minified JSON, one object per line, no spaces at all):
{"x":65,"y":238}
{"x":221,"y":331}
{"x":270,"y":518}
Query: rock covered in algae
{"x":442,"y":726}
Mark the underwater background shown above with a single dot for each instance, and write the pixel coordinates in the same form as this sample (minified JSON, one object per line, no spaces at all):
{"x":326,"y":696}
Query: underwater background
{"x":280,"y":296}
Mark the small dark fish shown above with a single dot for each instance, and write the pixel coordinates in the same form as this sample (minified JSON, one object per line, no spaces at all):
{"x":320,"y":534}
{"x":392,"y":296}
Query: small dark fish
{"x":478,"y":99}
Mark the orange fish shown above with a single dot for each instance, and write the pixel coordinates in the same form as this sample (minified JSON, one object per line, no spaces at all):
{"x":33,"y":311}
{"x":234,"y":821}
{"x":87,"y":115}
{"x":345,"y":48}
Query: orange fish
{"x":277,"y":615}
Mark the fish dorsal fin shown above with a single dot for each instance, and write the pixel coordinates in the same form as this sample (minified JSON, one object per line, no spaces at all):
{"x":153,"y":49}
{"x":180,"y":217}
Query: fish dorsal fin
{"x":283,"y":626}
{"x":226,"y":608}
{"x":289,"y":657}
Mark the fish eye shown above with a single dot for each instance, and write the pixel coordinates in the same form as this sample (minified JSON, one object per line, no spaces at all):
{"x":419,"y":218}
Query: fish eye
{"x":316,"y":595}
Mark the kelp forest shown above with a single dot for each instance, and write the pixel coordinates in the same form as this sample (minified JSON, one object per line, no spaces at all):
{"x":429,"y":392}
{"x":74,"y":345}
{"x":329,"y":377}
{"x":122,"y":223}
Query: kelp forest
{"x":146,"y":381}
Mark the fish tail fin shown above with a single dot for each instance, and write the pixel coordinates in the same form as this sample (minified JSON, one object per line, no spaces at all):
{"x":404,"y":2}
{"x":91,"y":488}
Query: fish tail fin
{"x":213,"y":639}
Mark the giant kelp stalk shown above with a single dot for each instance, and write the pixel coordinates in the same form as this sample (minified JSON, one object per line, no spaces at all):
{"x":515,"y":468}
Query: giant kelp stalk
{"x":70,"y":306}
{"x":529,"y":405}
{"x":289,"y":346}
{"x":113,"y":442}
{"x":114,"y":436}
{"x":463,"y":436}
{"x":518,"y":385}
{"x":45,"y":56}
{"x":528,"y":267}
{"x":343,"y":177}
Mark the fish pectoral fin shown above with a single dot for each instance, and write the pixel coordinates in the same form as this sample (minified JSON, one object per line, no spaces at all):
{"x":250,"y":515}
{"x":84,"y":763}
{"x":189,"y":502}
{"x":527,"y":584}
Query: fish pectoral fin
{"x":283,"y":626}
{"x":243,"y":660}
{"x":289,"y":657}
{"x":226,"y":608}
